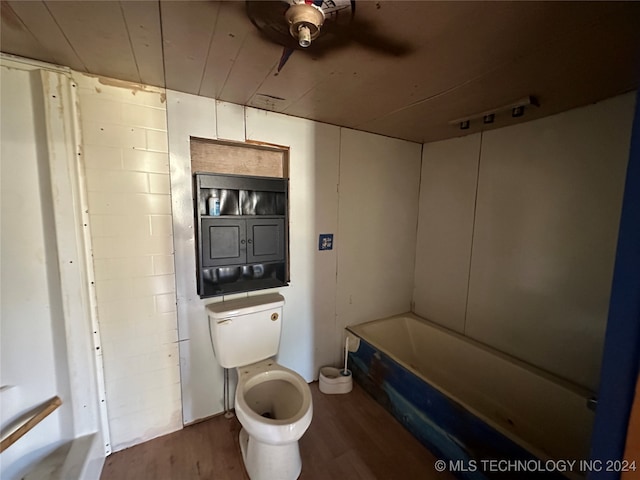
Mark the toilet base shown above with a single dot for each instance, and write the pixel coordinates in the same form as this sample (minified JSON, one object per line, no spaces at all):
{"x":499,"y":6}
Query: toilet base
{"x":269,"y":462}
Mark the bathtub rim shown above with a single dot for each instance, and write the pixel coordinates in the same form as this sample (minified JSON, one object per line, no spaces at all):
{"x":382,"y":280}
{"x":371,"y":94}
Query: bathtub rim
{"x":576,"y":389}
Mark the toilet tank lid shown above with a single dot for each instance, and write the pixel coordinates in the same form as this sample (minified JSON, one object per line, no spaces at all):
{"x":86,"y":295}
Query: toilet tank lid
{"x":244,"y":306}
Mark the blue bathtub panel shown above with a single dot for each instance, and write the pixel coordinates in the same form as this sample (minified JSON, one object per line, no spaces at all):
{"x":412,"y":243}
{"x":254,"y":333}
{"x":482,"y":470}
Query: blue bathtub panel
{"x":444,"y":426}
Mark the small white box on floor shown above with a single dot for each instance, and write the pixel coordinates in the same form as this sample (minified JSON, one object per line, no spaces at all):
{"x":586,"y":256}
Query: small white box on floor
{"x":334,"y":380}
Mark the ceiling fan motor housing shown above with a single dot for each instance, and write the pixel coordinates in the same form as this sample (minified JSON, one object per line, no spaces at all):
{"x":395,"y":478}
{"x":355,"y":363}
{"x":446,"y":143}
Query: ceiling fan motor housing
{"x":304,"y":22}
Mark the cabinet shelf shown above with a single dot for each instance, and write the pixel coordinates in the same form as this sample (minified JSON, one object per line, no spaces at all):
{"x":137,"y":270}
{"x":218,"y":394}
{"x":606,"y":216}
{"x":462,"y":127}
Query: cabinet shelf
{"x":242,"y":216}
{"x":211,"y":290}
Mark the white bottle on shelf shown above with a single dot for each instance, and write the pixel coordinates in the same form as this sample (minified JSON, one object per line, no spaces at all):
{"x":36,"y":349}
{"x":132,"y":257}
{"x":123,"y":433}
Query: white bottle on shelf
{"x":213,"y":203}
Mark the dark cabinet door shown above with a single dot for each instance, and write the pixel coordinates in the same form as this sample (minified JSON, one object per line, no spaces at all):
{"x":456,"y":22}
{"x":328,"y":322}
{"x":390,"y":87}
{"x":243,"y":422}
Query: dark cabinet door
{"x":265,"y":240}
{"x":224,"y":242}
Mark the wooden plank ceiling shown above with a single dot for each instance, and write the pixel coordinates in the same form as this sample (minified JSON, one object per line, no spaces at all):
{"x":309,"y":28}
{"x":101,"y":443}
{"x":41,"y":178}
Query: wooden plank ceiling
{"x":461,"y":58}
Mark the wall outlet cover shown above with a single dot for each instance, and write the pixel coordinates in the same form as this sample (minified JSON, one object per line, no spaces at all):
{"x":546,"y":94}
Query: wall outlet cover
{"x":326,"y":241}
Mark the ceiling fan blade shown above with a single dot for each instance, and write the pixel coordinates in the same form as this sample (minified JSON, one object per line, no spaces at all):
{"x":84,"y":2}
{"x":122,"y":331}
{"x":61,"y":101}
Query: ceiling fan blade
{"x":286,"y":53}
{"x":367,"y":35}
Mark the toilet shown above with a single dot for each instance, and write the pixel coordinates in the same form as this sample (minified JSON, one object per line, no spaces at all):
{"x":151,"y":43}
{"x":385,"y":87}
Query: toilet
{"x":273,"y":403}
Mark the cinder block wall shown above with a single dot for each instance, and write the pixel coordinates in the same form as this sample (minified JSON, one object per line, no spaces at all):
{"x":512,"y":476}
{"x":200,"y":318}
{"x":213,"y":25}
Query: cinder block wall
{"x":124,"y":151}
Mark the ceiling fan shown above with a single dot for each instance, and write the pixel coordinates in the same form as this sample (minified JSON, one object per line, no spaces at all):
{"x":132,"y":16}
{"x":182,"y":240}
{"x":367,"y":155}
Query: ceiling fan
{"x":319,"y":26}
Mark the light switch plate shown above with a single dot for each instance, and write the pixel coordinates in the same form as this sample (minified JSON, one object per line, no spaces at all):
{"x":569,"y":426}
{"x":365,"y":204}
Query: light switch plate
{"x":326,"y":241}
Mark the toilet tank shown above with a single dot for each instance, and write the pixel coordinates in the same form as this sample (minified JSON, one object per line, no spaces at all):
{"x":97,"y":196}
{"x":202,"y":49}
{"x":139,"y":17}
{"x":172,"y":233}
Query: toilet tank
{"x":246,"y":330}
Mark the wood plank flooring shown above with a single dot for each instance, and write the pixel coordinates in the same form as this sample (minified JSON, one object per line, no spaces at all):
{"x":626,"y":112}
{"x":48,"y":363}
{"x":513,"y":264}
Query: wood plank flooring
{"x":350,"y":437}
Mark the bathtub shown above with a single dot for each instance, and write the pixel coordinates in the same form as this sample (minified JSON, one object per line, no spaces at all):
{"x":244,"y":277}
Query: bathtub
{"x":466,"y":401}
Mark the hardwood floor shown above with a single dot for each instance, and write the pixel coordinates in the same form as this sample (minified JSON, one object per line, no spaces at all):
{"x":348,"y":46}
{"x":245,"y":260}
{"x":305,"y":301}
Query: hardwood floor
{"x":350,"y":437}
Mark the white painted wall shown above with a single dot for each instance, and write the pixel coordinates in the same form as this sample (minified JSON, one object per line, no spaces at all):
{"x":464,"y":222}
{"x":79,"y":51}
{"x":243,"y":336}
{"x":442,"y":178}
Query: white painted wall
{"x":378,"y":217}
{"x":443,"y":249}
{"x":549,"y":200}
{"x":201,"y":376}
{"x":312,"y":336}
{"x":309,"y":337}
{"x":124,"y":152}
{"x":544,"y":237}
{"x":46,"y":321}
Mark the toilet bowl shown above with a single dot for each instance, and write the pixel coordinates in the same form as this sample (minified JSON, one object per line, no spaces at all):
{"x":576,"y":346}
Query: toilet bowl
{"x":274,"y":407}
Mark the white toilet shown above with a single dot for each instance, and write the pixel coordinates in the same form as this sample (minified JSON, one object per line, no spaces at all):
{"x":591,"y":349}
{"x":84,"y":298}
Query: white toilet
{"x":273,"y":403}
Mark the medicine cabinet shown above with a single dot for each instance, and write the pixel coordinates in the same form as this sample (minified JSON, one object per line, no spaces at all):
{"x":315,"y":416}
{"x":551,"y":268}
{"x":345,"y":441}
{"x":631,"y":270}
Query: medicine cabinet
{"x":245,"y":247}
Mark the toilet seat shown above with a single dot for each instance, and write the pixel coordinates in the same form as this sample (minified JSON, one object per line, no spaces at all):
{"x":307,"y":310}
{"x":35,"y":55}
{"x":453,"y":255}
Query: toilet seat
{"x":272,"y":402}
